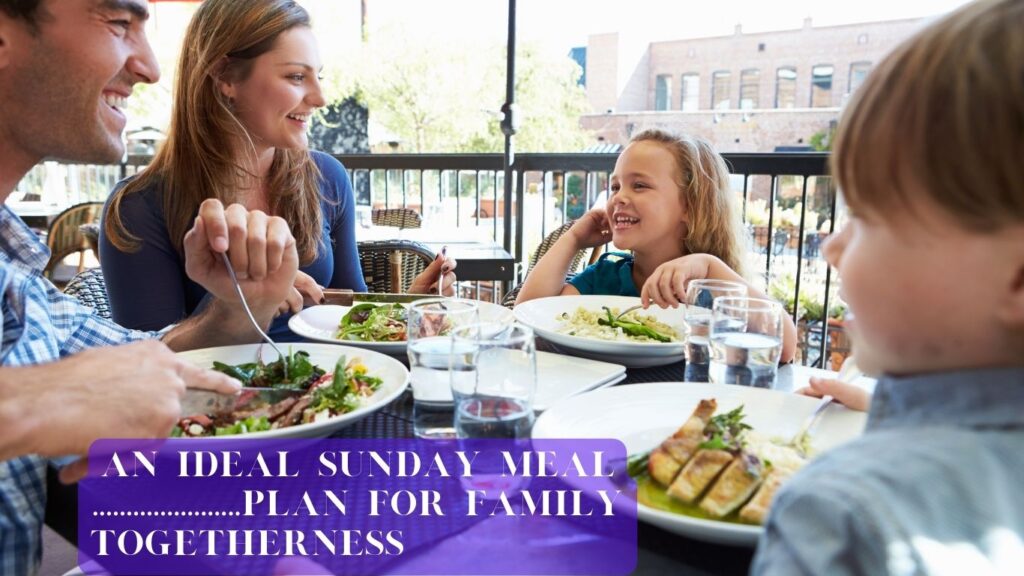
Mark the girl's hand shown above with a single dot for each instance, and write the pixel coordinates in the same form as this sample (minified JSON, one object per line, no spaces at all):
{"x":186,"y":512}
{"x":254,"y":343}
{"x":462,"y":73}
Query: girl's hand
{"x":667,"y":285}
{"x":592,"y":229}
{"x":853,"y":397}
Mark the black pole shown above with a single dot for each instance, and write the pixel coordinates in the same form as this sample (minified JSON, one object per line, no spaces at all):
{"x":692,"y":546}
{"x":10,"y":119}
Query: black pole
{"x":508,"y":127}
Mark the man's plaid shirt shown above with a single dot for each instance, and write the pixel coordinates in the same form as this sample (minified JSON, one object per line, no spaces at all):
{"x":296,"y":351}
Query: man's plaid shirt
{"x":40,"y":324}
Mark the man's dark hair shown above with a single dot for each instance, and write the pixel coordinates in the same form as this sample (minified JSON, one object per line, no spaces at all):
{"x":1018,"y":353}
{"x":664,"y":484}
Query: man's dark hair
{"x":31,"y":11}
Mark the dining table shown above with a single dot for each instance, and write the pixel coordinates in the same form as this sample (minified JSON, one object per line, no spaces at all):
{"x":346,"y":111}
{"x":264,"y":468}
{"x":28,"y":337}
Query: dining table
{"x":659,"y":551}
{"x":479,"y":257}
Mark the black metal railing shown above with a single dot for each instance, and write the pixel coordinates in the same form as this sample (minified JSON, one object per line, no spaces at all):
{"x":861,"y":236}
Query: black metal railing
{"x":550,"y":189}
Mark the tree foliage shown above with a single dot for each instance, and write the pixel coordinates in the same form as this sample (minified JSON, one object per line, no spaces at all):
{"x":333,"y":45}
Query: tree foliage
{"x":445,"y":97}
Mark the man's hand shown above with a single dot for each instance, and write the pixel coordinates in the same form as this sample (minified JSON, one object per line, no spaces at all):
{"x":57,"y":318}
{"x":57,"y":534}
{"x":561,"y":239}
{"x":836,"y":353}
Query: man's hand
{"x":262,"y":253}
{"x":130,"y":391}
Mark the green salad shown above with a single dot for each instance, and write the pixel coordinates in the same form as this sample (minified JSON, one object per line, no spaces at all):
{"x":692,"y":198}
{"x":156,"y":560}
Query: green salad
{"x":323,"y":395}
{"x":373,"y":323}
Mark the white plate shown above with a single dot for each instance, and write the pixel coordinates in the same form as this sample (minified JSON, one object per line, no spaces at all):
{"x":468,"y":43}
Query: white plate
{"x":320,"y":323}
{"x":560,"y":377}
{"x":643,"y":415}
{"x":395,"y":378}
{"x":543,"y":315}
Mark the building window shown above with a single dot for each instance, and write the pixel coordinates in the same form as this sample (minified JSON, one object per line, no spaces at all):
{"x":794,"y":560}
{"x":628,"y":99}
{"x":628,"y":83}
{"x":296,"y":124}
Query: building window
{"x":720,"y":90}
{"x":663,"y":92}
{"x":858,"y":72}
{"x":785,"y":88}
{"x":691,"y":92}
{"x":862,"y":39}
{"x":821,"y":85}
{"x":750,"y":87}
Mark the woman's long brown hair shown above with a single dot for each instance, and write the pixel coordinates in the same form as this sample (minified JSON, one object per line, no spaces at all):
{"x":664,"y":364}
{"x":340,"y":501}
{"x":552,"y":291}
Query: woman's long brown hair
{"x":199,"y":159}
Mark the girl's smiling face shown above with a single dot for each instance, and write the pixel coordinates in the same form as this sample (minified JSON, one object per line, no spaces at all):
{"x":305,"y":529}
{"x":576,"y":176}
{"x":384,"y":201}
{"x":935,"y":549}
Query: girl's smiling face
{"x":646,"y":207}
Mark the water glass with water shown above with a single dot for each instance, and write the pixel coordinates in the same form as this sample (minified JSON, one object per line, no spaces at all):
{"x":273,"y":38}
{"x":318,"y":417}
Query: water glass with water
{"x":700,"y":295}
{"x":746,"y":341}
{"x":431,"y":324}
{"x":494,"y":391}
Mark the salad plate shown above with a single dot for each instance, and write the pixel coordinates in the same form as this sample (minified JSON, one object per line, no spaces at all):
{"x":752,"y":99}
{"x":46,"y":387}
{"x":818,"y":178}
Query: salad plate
{"x":323,"y":324}
{"x":556,"y":320}
{"x":389,"y":376}
{"x":643,"y":415}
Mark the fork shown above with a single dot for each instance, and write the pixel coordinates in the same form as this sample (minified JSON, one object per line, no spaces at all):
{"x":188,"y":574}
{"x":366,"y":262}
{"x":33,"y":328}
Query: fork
{"x":440,"y":279}
{"x":248,"y":312}
{"x":847,"y":373}
{"x":627,"y":311}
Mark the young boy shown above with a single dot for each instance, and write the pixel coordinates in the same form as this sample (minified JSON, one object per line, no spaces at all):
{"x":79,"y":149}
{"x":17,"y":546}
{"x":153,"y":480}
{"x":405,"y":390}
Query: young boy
{"x":930,"y":158}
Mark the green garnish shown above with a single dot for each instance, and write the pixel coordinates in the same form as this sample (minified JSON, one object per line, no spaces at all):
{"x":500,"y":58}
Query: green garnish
{"x":723,"y":431}
{"x":342,"y":394}
{"x":636,"y":465}
{"x":250,"y":424}
{"x":301,"y":372}
{"x":632,"y":328}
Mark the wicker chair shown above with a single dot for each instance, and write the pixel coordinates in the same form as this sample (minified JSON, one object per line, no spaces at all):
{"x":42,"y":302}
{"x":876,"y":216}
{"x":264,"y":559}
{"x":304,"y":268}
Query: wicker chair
{"x":89,"y":289}
{"x":391,"y":265}
{"x":576,"y":266}
{"x":64,"y":237}
{"x":397,"y":217}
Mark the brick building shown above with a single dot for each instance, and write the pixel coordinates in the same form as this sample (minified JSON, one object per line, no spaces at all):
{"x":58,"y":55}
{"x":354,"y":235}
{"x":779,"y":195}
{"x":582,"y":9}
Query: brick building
{"x":744,"y":92}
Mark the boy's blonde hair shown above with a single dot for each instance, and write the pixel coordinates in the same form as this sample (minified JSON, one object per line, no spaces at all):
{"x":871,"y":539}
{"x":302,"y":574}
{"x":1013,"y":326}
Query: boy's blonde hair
{"x":943,"y":113}
{"x":714,"y":225}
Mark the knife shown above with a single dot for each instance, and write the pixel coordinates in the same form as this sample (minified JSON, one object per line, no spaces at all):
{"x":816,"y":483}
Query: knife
{"x":344,"y":297}
{"x":196,"y":401}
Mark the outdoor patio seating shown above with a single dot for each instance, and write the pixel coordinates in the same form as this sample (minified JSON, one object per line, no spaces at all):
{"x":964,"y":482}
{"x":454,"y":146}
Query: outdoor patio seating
{"x":576,"y":266}
{"x":397,"y":217}
{"x":89,"y":289}
{"x":391,"y":265}
{"x":64,"y":237}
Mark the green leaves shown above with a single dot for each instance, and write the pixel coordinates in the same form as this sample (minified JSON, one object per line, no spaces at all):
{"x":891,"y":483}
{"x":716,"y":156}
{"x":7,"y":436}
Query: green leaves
{"x":724,"y":430}
{"x":301,"y":372}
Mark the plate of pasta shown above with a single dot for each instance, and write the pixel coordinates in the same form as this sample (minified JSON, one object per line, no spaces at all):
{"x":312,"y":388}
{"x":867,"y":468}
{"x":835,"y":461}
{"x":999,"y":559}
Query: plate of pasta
{"x":590,"y":326}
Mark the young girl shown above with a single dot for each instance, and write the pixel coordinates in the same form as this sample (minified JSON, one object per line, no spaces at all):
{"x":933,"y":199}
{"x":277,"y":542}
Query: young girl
{"x":671,"y":206}
{"x":246,"y":88}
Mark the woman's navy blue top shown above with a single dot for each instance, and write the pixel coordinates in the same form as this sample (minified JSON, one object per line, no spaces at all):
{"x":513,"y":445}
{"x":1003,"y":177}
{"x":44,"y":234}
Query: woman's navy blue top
{"x":148,"y":289}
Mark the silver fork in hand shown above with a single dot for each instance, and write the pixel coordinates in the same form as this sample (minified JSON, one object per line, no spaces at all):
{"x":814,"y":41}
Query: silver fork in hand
{"x":248,"y":312}
{"x":440,"y":280}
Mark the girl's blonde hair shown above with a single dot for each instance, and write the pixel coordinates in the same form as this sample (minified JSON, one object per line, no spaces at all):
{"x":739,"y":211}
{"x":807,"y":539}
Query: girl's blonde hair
{"x":199,"y":158}
{"x":943,"y":116}
{"x":714,"y":225}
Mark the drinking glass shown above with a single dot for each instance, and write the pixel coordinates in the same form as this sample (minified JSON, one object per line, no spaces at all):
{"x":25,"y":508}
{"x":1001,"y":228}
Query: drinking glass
{"x":431,"y":323}
{"x":494,"y":377}
{"x":700,"y":295}
{"x":746,"y":341}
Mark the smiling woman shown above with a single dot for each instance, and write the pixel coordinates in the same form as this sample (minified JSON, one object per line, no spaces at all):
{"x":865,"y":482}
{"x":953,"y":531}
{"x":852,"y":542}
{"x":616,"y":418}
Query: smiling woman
{"x":247,"y":85}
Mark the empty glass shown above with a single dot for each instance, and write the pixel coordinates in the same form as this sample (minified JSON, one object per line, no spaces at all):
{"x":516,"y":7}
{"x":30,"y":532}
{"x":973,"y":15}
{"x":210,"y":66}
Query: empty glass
{"x":494,"y":377}
{"x":700,"y":294}
{"x":746,"y":341}
{"x":431,"y":323}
